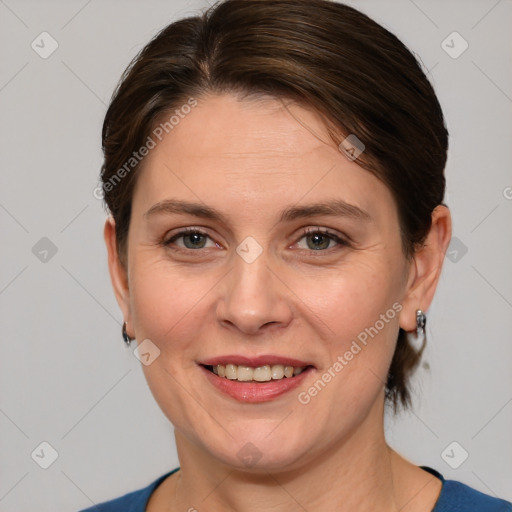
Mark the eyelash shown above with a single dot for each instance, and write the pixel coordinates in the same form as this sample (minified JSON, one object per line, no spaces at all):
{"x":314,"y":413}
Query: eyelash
{"x":306,"y":232}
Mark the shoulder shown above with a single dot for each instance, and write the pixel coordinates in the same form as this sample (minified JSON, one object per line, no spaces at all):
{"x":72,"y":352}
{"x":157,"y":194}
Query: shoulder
{"x":134,"y":501}
{"x":458,"y":497}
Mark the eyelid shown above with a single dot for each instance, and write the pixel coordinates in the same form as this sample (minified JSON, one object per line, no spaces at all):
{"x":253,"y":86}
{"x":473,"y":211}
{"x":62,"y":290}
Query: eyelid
{"x":183,"y":232}
{"x":324,"y":231}
{"x":342,"y":240}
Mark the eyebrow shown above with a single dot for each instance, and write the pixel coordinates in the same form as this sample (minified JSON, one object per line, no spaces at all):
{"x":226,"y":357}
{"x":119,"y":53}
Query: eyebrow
{"x":333,"y":208}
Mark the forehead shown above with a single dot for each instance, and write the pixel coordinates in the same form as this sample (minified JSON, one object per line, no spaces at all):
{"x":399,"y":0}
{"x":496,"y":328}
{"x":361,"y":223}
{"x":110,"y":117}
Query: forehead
{"x":223,"y":126}
{"x":259,"y":151}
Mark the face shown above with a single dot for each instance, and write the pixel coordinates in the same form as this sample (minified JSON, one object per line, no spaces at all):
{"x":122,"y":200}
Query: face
{"x":246,"y":270}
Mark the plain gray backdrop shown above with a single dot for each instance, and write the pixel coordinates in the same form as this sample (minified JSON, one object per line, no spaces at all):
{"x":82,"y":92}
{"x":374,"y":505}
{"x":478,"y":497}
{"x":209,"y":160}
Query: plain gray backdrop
{"x":66,"y":378}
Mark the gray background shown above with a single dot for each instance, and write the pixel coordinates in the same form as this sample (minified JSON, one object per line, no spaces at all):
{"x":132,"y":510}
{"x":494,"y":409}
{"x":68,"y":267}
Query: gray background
{"x":66,"y":377}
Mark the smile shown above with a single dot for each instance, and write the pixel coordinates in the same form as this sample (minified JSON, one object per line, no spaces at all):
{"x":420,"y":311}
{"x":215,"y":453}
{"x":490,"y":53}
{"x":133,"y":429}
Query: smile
{"x":264,"y":373}
{"x":253,"y":380}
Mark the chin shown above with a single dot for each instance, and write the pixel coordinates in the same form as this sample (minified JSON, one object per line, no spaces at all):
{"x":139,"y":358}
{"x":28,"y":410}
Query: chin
{"x":257,"y":451}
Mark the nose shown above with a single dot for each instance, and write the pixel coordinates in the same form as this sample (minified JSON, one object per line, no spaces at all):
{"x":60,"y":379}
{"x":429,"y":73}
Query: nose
{"x":254,"y":298}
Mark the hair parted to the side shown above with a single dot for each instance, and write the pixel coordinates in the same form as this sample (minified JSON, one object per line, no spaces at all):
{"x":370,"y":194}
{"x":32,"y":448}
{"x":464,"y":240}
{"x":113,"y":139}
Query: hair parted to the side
{"x":321,"y":54}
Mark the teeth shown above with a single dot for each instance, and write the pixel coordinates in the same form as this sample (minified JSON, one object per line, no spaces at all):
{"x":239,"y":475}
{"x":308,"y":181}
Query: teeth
{"x":244,"y":373}
{"x":260,"y":374}
{"x":231,"y":371}
{"x":277,"y":371}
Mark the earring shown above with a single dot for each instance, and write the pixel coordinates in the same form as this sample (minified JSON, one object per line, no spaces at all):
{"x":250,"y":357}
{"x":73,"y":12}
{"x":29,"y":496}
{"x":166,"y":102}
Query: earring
{"x":421,"y":320}
{"x":126,"y":338}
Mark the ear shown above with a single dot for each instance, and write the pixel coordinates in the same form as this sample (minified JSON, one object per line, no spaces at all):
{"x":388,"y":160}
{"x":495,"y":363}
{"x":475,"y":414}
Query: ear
{"x":118,"y":274}
{"x":425,"y":268}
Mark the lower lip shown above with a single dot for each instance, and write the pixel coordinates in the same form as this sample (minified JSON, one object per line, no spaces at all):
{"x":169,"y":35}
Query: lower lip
{"x":254,"y":392}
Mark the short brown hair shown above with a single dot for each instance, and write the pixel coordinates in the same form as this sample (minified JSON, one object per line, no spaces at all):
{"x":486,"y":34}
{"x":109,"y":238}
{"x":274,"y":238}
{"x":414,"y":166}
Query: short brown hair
{"x":319,"y":53}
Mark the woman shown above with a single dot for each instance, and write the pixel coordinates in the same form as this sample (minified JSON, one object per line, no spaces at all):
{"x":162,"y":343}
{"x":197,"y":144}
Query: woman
{"x":274,"y":174}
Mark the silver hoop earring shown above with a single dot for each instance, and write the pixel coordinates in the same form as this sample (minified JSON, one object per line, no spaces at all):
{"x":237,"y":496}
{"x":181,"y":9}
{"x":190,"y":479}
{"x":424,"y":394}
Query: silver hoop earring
{"x":421,"y":320}
{"x":126,"y":338}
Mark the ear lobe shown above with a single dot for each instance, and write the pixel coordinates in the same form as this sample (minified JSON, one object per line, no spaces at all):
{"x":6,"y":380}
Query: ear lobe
{"x":118,"y":274}
{"x":427,"y":265}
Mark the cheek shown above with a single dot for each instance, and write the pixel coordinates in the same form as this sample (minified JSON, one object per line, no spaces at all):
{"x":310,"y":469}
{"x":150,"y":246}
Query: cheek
{"x":168,"y":304}
{"x":169,"y":307}
{"x":361,"y":309}
{"x":354,"y":298}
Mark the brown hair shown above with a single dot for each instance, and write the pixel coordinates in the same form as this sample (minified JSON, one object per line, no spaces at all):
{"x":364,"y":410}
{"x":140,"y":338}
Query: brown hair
{"x":321,"y":54}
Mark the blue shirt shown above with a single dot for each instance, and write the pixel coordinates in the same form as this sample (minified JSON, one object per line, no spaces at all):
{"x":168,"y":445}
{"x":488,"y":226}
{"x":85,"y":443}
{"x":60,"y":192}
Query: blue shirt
{"x":455,"y":497}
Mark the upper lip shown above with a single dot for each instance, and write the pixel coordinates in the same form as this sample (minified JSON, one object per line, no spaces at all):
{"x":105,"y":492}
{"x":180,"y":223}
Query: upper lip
{"x":254,"y":362}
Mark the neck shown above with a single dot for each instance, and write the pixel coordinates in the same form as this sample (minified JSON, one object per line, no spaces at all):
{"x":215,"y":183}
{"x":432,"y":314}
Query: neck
{"x":358,"y":473}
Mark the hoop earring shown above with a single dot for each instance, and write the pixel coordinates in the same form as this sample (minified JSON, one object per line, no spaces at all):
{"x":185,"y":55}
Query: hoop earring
{"x":126,"y":338}
{"x":421,"y":320}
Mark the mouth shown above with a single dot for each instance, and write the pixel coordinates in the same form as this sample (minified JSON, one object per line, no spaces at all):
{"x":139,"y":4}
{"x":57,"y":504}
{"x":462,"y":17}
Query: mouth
{"x":265,"y":373}
{"x":255,"y":380}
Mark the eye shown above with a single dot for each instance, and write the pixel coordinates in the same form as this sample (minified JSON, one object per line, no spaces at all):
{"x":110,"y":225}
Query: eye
{"x":193,"y":238}
{"x":318,"y":239}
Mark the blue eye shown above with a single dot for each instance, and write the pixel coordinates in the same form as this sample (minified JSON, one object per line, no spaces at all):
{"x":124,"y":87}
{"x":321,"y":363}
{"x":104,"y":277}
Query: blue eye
{"x":317,"y":240}
{"x":192,"y":239}
{"x":320,"y":239}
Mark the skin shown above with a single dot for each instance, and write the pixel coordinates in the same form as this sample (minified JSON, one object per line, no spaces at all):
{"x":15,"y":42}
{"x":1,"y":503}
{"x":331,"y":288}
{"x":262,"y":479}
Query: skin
{"x":250,"y":160}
